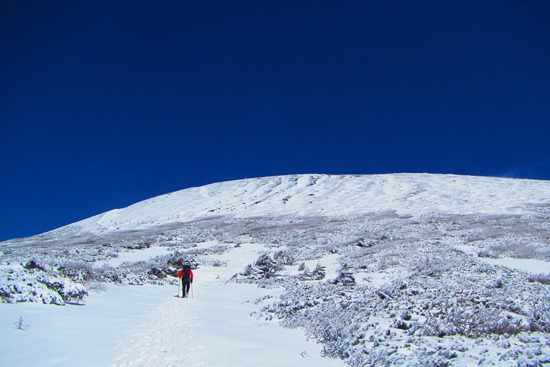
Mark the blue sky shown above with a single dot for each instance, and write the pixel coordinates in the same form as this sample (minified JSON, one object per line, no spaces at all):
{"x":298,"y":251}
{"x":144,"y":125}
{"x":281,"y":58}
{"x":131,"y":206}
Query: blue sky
{"x":106,"y":103}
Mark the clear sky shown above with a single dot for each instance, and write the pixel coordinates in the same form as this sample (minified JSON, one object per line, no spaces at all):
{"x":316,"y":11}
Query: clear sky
{"x":106,"y":103}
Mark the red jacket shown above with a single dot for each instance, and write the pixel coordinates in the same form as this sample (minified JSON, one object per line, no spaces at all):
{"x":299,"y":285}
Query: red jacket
{"x":180,"y":274}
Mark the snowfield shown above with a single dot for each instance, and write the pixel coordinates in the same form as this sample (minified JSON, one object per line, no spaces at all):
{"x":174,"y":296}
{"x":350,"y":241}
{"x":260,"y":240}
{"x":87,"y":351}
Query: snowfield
{"x":312,"y":270}
{"x":323,"y":195}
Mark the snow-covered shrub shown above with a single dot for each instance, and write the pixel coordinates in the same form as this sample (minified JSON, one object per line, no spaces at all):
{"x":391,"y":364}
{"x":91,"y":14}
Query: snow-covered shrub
{"x":264,"y":267}
{"x":108,"y":274}
{"x":22,"y":285}
{"x":77,"y":271}
{"x":178,"y":260}
{"x":34,"y":264}
{"x":324,"y":311}
{"x":317,"y":274}
{"x":283,"y":257}
{"x":73,"y":292}
{"x":473,"y":322}
{"x":446,"y":294}
{"x":213,"y":250}
{"x":137,"y":245}
{"x":66,"y":288}
{"x":218,"y":263}
{"x":430,"y":265}
{"x":345,"y":278}
{"x":541,"y":278}
{"x":539,"y":312}
{"x":157,"y":273}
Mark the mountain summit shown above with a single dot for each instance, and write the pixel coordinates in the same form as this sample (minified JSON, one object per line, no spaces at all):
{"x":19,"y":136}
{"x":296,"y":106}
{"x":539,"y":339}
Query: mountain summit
{"x":330,"y":196}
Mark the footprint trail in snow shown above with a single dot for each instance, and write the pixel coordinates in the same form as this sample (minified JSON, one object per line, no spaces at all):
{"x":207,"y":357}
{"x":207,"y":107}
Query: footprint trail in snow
{"x":215,"y":328}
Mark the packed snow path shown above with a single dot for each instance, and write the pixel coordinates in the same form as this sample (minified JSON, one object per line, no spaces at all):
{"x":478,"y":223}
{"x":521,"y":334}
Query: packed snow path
{"x":214,"y":327}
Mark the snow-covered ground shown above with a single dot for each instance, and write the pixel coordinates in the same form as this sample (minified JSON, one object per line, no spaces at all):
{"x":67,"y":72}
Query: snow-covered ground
{"x":131,"y":326}
{"x":533,"y":266}
{"x":529,"y":265}
{"x":412,"y":270}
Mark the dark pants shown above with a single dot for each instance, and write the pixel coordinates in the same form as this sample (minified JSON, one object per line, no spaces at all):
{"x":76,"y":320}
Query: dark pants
{"x":185,"y":286}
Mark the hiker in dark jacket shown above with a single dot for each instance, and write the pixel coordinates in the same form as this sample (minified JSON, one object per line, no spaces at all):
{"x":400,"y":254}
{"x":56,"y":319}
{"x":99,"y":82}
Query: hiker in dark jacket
{"x":186,"y":276}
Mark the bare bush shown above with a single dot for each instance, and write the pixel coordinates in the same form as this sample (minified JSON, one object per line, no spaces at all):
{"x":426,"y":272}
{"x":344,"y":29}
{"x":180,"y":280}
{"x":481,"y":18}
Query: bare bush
{"x":20,"y":324}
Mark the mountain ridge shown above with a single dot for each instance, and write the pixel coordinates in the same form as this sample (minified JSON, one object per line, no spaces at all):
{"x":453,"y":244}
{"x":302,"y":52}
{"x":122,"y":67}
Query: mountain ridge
{"x":329,"y":195}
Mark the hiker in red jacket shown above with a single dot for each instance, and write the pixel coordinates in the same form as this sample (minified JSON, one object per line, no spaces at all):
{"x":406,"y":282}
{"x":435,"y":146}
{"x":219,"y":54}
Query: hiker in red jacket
{"x":186,"y":276}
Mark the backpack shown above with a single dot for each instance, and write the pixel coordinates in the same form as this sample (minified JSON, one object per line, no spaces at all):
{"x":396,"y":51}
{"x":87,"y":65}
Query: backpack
{"x":186,"y":277}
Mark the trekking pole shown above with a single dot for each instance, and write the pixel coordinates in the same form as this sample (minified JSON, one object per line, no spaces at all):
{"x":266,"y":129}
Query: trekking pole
{"x":178,"y":291}
{"x":192,"y":295}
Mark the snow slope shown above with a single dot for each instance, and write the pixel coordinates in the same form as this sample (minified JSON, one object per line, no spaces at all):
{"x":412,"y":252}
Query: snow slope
{"x":414,"y":269}
{"x":325,"y":195}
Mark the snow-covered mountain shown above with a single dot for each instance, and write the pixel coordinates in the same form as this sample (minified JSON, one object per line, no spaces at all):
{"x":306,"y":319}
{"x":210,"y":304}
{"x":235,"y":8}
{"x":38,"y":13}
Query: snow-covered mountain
{"x":408,"y":269}
{"x":326,"y":195}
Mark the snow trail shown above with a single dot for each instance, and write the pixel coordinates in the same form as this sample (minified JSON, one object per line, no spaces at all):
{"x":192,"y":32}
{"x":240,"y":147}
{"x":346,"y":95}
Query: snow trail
{"x":216,"y":327}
